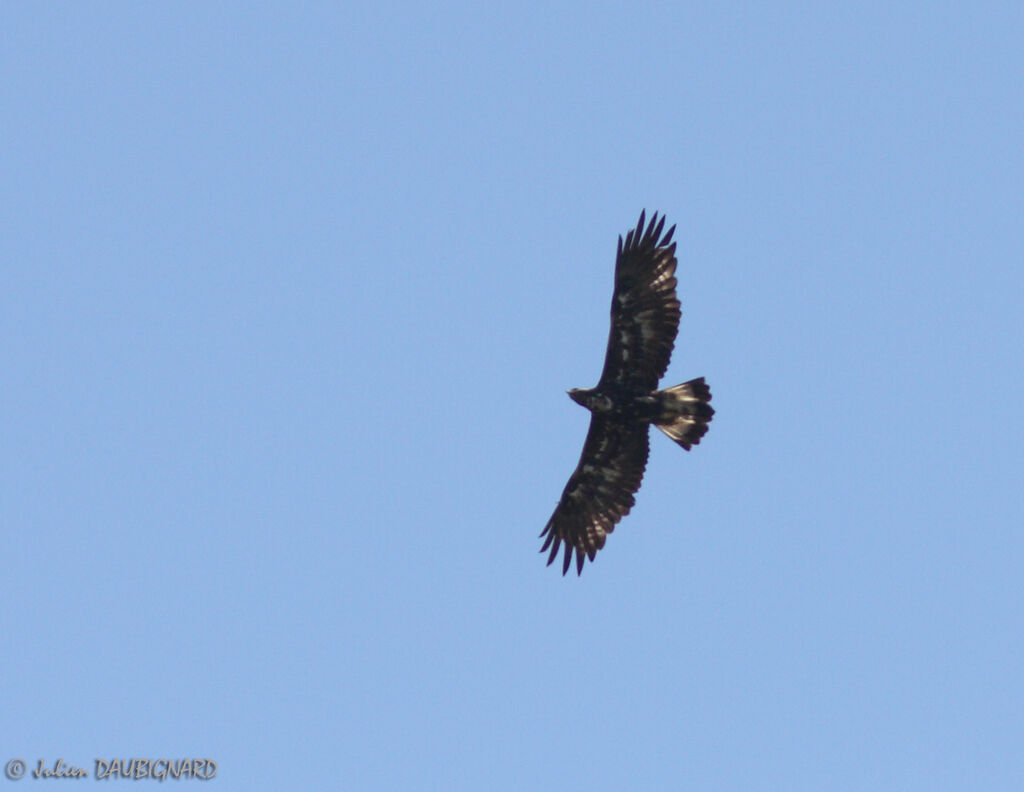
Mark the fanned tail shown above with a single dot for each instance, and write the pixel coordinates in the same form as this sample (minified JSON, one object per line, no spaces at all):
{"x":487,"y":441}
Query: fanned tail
{"x":685,"y":412}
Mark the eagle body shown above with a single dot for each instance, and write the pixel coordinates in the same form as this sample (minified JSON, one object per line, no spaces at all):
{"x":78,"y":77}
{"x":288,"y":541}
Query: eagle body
{"x":657,"y":407}
{"x":626,"y":400}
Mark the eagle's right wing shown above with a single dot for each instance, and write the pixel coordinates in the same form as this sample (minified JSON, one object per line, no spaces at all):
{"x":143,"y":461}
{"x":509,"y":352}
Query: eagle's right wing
{"x":600,"y":491}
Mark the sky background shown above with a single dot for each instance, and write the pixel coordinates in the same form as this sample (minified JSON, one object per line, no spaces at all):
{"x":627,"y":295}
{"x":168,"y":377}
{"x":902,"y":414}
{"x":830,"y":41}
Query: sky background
{"x":290,"y":297}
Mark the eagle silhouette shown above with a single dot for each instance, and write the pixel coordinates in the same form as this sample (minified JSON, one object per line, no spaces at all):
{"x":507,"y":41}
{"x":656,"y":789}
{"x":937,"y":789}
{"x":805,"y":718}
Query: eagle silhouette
{"x":626,"y":401}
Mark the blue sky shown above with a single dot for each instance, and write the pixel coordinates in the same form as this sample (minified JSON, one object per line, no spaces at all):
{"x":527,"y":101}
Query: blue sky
{"x":290,"y":297}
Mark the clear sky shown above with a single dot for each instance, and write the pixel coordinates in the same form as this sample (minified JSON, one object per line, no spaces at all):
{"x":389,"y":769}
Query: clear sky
{"x":290,"y":297}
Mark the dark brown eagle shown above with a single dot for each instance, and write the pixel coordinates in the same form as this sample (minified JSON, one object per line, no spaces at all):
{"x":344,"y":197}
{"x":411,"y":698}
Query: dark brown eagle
{"x":626,"y":401}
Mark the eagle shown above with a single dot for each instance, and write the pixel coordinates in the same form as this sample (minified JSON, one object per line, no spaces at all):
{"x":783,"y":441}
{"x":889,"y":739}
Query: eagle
{"x":626,"y":400}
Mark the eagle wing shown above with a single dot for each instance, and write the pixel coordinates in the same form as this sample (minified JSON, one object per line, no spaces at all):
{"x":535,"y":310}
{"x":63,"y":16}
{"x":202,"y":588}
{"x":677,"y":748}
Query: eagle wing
{"x":645,"y":311}
{"x":600,"y":491}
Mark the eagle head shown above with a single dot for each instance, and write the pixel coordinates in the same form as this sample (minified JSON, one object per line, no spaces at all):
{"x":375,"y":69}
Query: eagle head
{"x":592,"y":399}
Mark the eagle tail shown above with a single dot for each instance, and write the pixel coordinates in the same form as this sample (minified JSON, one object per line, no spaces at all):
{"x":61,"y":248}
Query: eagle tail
{"x":685,"y":412}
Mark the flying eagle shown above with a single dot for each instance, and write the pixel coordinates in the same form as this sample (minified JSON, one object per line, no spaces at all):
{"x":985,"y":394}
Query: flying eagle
{"x":626,"y":401}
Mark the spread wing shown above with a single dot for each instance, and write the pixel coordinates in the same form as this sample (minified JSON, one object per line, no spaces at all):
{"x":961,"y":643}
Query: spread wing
{"x":645,"y":311}
{"x":600,"y":491}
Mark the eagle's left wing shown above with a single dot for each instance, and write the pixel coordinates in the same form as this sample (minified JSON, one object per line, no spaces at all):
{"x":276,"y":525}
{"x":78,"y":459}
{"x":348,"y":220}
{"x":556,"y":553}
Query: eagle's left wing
{"x":600,"y":491}
{"x":645,"y":310}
